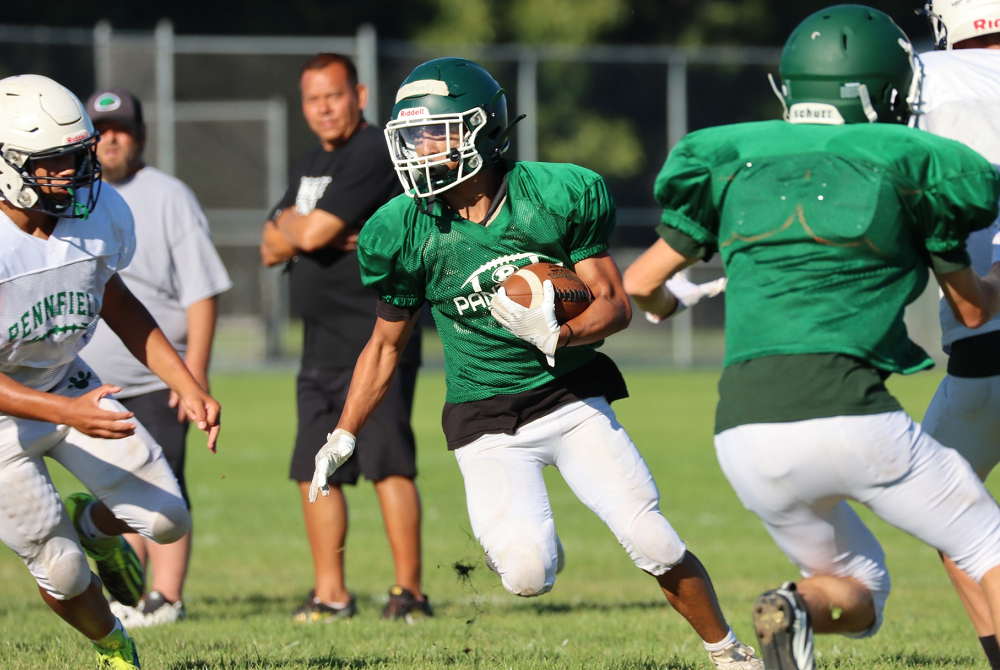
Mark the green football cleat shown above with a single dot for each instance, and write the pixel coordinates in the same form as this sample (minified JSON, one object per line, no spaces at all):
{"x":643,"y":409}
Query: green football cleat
{"x":118,"y":654}
{"x":118,"y":566}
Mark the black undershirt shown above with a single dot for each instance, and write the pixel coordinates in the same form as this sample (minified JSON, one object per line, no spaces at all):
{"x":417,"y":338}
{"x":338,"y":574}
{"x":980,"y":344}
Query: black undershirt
{"x":465,"y":422}
{"x":975,"y":357}
{"x":505,"y":413}
{"x":337,"y":311}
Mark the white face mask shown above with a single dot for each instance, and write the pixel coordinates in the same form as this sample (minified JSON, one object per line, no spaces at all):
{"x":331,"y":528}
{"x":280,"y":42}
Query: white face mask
{"x":433,"y":152}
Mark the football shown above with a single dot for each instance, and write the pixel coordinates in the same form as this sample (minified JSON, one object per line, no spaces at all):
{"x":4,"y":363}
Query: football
{"x":572,"y":295}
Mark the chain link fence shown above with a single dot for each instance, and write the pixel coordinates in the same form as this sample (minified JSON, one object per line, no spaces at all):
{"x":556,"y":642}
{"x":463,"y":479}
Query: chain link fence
{"x":224,"y":117}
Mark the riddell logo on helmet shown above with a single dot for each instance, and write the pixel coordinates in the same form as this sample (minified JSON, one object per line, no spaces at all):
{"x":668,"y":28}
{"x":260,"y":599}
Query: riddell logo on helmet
{"x":986,"y":24}
{"x":414,"y":112}
{"x":78,"y":137}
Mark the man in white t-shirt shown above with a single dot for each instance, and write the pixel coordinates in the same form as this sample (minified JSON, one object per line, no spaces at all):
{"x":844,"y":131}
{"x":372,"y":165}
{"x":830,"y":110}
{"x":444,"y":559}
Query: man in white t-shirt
{"x":961,"y":100}
{"x":177,"y":274}
{"x":61,"y":249}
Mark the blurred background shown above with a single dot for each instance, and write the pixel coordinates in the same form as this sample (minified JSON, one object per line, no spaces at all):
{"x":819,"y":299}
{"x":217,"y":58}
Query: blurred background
{"x":608,"y":84}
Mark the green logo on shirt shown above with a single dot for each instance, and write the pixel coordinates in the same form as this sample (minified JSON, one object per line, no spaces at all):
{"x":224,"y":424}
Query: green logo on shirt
{"x":80,"y":380}
{"x":36,"y":324}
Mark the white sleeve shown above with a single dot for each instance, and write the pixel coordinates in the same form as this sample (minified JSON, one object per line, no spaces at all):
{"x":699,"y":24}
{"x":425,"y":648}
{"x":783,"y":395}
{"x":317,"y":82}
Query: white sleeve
{"x":200,"y":271}
{"x":122,"y":226}
{"x":995,"y":229}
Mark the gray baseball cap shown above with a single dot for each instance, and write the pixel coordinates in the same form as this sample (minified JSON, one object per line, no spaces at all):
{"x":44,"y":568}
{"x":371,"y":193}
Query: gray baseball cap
{"x":115,"y":105}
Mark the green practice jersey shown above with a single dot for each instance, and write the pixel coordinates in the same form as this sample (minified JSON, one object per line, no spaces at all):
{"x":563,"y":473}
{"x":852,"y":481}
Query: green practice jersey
{"x":825,"y":232}
{"x":555,"y":213}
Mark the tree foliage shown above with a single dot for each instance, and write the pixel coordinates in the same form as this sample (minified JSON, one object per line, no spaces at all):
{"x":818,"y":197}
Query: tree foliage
{"x":689,"y":22}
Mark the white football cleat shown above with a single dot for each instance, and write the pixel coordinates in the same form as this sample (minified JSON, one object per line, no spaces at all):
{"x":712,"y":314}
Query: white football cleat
{"x":736,"y":656}
{"x":154,"y":610}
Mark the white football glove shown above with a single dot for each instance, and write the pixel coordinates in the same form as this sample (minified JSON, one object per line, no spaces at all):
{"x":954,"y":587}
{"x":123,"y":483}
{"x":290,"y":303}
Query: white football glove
{"x":688,"y":293}
{"x":338,"y":448}
{"x":537,"y":325}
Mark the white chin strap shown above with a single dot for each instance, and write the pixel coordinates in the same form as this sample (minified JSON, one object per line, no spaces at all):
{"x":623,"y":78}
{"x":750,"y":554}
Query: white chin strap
{"x":780,"y":94}
{"x":856,"y":90}
{"x":914,"y":95}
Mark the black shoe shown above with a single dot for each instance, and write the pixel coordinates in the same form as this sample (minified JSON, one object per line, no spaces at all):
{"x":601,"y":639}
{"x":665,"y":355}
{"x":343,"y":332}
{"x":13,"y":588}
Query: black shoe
{"x":314,"y":610}
{"x":404,"y":605}
{"x":784,"y":629}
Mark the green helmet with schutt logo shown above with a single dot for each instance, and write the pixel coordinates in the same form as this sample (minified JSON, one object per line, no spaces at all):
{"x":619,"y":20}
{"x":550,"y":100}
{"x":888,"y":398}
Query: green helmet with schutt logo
{"x":849,"y":64}
{"x":449,"y":122}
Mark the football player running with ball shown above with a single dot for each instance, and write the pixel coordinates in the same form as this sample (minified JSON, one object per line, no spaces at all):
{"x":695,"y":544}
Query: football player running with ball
{"x":60,"y":251}
{"x":961,"y":100}
{"x":826,"y":223}
{"x":470,"y":219}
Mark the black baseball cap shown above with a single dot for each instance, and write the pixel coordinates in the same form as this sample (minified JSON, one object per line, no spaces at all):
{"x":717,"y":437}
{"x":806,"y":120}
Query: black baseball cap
{"x":115,"y":105}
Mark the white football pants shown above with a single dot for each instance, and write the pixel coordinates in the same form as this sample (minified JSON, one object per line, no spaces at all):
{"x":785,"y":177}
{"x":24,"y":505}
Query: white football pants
{"x":509,"y":506}
{"x":797,"y":476}
{"x":965,"y":415}
{"x":129,"y":475}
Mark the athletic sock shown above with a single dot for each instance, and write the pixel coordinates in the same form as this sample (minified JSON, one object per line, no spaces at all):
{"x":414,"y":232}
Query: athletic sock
{"x":730,"y":639}
{"x":336,"y":606}
{"x":992,"y":650}
{"x":88,"y":526}
{"x":106,"y":642}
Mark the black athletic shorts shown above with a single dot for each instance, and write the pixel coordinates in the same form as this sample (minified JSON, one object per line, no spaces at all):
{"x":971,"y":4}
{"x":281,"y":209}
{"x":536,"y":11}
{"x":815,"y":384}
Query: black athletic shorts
{"x":385,"y":446}
{"x":156,"y":416}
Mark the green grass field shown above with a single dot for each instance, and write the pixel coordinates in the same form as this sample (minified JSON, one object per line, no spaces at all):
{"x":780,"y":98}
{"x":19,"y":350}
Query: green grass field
{"x":251,"y":565}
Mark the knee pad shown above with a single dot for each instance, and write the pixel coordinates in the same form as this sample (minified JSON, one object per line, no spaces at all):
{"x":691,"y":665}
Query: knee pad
{"x":653,"y":544}
{"x":170,"y":523}
{"x":524,"y":571}
{"x":62,"y":569}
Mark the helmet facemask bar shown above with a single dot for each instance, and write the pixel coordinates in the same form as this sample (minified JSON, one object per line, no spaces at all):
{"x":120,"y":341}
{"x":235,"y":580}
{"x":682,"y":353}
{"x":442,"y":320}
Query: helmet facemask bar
{"x":451,"y":138}
{"x":938,"y":27}
{"x":914,"y":97}
{"x":32,"y":196}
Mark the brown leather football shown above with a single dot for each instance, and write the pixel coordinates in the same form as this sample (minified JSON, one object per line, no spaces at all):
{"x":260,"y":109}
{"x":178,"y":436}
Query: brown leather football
{"x":572,"y":295}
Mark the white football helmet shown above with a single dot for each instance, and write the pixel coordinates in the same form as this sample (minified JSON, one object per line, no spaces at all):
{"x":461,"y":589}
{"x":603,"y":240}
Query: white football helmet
{"x":41,"y":119}
{"x":956,"y":20}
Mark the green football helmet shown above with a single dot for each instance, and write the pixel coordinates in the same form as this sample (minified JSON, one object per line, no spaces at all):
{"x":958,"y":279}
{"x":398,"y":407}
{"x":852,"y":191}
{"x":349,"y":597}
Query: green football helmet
{"x":449,"y":122}
{"x":849,"y":64}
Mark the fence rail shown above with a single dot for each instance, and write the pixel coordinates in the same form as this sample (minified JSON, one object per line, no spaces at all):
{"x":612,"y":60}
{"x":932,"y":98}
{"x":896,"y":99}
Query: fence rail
{"x":223,"y":116}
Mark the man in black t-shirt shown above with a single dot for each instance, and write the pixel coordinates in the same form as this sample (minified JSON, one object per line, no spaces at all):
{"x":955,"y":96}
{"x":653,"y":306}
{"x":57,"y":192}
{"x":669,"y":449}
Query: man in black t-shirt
{"x":333,"y":190}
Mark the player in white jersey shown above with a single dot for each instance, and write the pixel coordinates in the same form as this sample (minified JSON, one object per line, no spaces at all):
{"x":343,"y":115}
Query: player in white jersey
{"x":961,"y":100}
{"x":60,"y":251}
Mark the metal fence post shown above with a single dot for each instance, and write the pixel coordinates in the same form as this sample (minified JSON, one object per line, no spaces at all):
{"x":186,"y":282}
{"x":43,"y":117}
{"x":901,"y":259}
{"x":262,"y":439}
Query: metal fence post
{"x":367,"y":62}
{"x":274,"y":291}
{"x":527,"y":103}
{"x":681,"y":325}
{"x":165,"y":129}
{"x":102,"y":53}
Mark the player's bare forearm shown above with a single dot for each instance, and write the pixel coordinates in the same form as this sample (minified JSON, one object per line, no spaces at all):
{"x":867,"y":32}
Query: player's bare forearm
{"x":130,"y":320}
{"x":374,"y":372}
{"x":26,"y":403}
{"x":644,"y":279}
{"x":83,"y":413}
{"x":312,"y":231}
{"x":274,"y":248}
{"x":610,"y":311}
{"x":133,"y":324}
{"x":201,"y":320}
{"x":974,"y":300}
